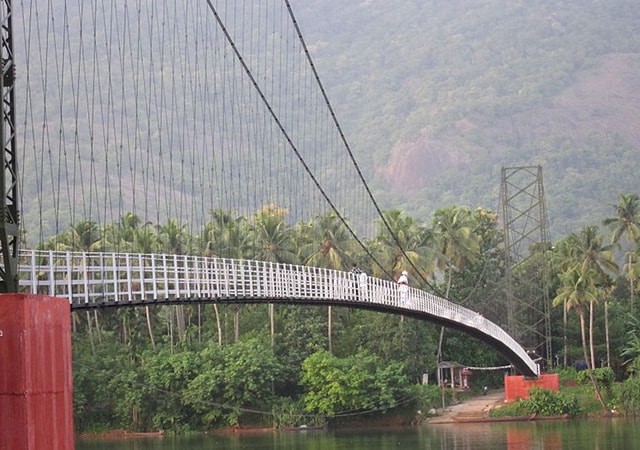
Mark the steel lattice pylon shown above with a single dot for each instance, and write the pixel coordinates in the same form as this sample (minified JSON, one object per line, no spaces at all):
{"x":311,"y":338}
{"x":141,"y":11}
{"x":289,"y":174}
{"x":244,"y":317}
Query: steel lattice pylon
{"x":9,"y":231}
{"x":527,"y":248}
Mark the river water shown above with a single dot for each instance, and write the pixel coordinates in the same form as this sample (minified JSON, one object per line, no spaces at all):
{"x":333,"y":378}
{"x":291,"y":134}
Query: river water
{"x":601,"y":434}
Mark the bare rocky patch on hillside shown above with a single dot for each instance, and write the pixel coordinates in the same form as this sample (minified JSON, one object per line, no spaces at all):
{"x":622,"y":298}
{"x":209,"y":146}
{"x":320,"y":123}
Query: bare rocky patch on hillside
{"x":603,"y":100}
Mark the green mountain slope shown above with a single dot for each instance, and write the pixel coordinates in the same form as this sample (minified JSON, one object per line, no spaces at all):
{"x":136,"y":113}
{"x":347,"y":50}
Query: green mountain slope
{"x":437,"y":96}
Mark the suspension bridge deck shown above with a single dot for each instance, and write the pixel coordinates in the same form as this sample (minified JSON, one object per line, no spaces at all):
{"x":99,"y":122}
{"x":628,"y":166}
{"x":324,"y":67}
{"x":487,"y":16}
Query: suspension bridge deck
{"x":101,"y":280}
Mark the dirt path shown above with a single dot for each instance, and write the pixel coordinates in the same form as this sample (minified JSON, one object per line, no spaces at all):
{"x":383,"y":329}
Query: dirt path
{"x":473,"y":407}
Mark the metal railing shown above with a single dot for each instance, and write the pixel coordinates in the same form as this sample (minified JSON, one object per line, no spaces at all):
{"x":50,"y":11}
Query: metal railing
{"x":88,"y":279}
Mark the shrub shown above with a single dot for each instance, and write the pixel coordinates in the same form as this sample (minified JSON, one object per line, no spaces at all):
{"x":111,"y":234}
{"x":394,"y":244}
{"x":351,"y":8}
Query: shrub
{"x":627,"y":396}
{"x":429,"y":396}
{"x":546,"y":402}
{"x":604,"y":376}
{"x":568,"y":375}
{"x":542,"y":402}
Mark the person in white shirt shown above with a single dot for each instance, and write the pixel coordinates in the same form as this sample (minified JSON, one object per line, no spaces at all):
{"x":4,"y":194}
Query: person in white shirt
{"x":403,"y":286}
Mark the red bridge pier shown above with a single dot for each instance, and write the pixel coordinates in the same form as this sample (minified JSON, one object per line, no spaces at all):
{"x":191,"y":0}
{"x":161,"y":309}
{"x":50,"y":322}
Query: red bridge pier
{"x":36,"y":383}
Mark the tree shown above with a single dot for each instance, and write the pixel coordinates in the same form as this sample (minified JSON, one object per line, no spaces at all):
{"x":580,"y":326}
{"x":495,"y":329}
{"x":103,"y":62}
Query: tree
{"x":141,"y":240}
{"x":174,"y":239}
{"x":85,"y":236}
{"x":233,"y":379}
{"x":586,"y":252}
{"x":226,"y":236}
{"x":401,"y":243}
{"x":356,"y":383}
{"x":272,"y":239}
{"x":457,"y":245}
{"x":627,"y":224}
{"x":327,"y":243}
{"x":577,"y":290}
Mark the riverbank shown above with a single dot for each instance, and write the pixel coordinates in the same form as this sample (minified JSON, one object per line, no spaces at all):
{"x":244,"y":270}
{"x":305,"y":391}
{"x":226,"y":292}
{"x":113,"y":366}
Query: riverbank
{"x":475,"y":407}
{"x":120,"y":434}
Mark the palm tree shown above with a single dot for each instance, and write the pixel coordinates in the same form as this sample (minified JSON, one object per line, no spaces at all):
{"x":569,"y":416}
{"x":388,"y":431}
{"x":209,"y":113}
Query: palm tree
{"x":226,"y":235}
{"x":327,"y":244}
{"x":271,"y":236}
{"x":85,"y":236}
{"x":130,"y":235}
{"x":173,"y":237}
{"x":272,"y":239}
{"x":401,"y":244}
{"x":627,"y":224}
{"x":122,"y":233}
{"x":175,"y":240}
{"x":586,"y":252}
{"x":577,"y":290}
{"x":458,"y":245}
{"x":143,"y":240}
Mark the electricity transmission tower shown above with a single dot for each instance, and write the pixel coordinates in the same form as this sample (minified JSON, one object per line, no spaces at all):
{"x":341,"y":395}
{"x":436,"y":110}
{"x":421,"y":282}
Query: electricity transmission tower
{"x":9,"y":230}
{"x":527,"y":255}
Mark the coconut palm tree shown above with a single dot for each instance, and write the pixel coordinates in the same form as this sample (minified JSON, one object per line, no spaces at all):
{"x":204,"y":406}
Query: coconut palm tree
{"x":227,"y":235}
{"x":175,"y":240}
{"x":401,"y":243}
{"x":458,"y":245}
{"x":141,"y":239}
{"x":577,"y":290}
{"x":627,"y":223}
{"x":272,"y":236}
{"x":173,"y":237}
{"x":327,"y":243}
{"x":85,"y":236}
{"x":273,"y":242}
{"x":587,"y":252}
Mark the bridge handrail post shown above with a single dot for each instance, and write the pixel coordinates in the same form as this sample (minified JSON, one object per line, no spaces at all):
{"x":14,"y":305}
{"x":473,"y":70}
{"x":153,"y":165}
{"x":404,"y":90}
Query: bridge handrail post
{"x":176,"y":275}
{"x":69,"y":273}
{"x":83,"y":285}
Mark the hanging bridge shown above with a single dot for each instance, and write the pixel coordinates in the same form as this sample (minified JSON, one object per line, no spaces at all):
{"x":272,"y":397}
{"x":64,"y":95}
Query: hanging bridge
{"x":169,"y":114}
{"x":102,"y":280}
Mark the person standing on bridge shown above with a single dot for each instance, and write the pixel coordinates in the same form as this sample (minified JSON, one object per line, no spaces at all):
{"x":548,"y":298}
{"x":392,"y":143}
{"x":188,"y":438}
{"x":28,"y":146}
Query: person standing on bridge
{"x":356,"y":272}
{"x":362,"y":286}
{"x":403,"y":286}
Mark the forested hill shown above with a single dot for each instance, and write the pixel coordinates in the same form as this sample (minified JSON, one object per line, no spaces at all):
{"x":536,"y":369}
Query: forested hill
{"x":437,"y":96}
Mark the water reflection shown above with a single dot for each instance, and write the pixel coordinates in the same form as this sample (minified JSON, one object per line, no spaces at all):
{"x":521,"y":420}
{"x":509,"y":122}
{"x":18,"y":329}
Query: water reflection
{"x":601,"y":434}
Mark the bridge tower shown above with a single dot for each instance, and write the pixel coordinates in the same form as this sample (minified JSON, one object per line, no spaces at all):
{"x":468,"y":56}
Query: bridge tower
{"x":527,"y":249}
{"x":9,"y":231}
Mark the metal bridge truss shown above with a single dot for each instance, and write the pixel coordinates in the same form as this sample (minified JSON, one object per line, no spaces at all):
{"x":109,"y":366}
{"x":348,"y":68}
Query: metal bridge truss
{"x":9,"y":233}
{"x":101,"y":280}
{"x":527,"y":246}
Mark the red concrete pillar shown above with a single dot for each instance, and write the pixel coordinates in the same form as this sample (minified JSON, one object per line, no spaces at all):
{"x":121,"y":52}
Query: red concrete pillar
{"x":518,"y":387}
{"x":36,"y":404}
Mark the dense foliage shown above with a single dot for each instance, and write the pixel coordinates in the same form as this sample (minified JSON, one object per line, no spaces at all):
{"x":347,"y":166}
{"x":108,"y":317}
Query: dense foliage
{"x":205,"y":366}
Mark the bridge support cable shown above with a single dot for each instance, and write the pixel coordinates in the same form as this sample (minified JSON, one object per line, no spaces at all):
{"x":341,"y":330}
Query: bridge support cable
{"x":169,"y":111}
{"x":111,"y":280}
{"x":9,"y":223}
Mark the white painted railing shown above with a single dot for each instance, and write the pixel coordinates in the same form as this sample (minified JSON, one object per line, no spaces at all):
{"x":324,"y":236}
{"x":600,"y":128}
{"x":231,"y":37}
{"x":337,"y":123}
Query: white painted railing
{"x":107,"y":278}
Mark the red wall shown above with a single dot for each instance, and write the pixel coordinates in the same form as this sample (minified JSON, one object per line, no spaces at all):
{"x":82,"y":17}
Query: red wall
{"x":517,"y":386}
{"x":36,"y":404}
